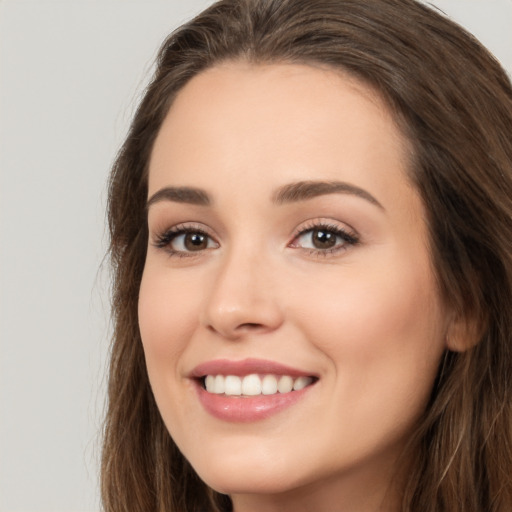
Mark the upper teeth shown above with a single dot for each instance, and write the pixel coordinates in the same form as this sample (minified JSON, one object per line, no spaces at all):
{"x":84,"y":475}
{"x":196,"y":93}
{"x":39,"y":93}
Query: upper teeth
{"x":253,"y":384}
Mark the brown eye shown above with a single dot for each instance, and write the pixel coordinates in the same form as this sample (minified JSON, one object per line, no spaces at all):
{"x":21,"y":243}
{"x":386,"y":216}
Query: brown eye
{"x":322,"y":239}
{"x":325,"y":239}
{"x":186,"y":241}
{"x":195,"y":241}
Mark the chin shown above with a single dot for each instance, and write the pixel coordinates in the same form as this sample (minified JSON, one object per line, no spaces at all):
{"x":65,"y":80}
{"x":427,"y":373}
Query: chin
{"x":250,"y":482}
{"x":247,"y":474}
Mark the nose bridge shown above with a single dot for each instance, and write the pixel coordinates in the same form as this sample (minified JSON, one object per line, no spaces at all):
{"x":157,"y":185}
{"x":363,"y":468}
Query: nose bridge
{"x":242,"y":297}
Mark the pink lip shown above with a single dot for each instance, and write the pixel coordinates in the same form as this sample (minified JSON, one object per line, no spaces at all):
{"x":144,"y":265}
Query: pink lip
{"x":245,"y":367}
{"x":246,"y":409}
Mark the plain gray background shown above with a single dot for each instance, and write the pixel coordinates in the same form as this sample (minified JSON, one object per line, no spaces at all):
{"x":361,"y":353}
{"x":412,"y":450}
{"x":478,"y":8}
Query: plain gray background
{"x":71,"y":73}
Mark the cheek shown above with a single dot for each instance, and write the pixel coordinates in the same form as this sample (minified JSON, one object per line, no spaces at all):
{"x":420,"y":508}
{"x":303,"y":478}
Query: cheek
{"x":167,"y":316}
{"x":380,"y":318}
{"x":376,"y":308}
{"x":384,"y":335}
{"x":167,"y":320}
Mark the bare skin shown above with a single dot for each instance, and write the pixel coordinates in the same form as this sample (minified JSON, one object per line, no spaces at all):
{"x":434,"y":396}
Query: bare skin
{"x":333,"y":279}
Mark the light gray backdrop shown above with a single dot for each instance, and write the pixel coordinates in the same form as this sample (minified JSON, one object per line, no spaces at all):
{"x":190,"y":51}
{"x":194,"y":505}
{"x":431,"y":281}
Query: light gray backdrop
{"x":70,"y":75}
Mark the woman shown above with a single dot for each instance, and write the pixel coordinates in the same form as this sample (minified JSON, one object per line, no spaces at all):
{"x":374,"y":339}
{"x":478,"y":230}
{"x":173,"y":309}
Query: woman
{"x":312,"y":242}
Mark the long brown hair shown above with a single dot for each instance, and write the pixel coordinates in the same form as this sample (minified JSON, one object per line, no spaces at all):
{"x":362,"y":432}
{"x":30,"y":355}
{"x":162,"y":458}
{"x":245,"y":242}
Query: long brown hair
{"x":453,"y":102}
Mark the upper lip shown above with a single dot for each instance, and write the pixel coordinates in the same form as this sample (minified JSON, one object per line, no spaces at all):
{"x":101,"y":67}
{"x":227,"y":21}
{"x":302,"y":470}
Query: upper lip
{"x":245,"y":367}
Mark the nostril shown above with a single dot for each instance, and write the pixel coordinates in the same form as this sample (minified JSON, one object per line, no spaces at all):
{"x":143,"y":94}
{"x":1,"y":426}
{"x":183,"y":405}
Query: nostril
{"x":250,"y":326}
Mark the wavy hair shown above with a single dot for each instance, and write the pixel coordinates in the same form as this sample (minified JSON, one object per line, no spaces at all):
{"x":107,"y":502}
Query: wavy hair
{"x":453,"y":103}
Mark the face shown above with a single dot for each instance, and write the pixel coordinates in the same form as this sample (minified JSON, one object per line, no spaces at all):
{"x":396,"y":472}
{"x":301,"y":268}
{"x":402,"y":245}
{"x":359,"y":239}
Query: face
{"x":288,"y":309}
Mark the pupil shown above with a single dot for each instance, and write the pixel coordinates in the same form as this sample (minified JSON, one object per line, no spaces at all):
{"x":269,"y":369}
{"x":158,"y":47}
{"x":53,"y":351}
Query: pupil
{"x":323,"y":239}
{"x":195,"y":241}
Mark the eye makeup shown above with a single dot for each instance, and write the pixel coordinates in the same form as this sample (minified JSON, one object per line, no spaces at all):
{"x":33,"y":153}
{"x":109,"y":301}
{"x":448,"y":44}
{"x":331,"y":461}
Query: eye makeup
{"x":319,"y":238}
{"x":324,"y":238}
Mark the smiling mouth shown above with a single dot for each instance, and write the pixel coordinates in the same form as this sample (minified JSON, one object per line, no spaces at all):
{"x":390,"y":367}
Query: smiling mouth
{"x":254,"y":384}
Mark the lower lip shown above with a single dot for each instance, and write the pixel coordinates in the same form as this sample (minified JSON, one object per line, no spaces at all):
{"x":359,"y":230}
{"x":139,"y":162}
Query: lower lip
{"x":244,"y":409}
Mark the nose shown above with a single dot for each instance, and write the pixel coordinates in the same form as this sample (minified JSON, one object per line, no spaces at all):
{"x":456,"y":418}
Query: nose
{"x":243,"y":298}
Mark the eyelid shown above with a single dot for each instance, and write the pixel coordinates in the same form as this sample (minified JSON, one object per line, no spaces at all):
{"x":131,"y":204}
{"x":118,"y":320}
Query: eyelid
{"x":326,"y":223}
{"x":347,"y":233}
{"x":163,"y":238}
{"x":348,"y":237}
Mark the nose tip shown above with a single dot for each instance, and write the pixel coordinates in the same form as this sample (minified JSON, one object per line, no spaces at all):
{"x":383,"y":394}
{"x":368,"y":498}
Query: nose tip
{"x":242,"y":302}
{"x":241,"y":319}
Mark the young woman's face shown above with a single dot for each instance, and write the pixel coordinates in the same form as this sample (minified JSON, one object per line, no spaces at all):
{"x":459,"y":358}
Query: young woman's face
{"x":287,"y":248}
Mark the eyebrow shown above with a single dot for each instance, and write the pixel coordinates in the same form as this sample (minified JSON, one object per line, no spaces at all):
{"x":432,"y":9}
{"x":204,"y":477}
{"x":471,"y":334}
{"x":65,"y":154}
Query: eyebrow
{"x":290,"y":193}
{"x":303,"y":190}
{"x":188,"y":195}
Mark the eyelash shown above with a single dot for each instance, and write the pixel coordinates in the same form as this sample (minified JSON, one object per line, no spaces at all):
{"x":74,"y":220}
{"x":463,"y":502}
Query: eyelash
{"x":349,"y":238}
{"x":164,"y":240}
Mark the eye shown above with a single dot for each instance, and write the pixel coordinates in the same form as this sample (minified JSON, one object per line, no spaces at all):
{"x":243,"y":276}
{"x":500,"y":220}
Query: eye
{"x":324,"y":239}
{"x":191,"y":241}
{"x":185,"y":240}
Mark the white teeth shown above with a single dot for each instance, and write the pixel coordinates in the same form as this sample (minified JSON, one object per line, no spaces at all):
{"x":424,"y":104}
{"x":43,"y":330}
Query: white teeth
{"x":285,"y":384}
{"x":218,"y":386}
{"x":253,"y":385}
{"x":269,"y":385}
{"x":301,"y":383}
{"x":232,"y":385}
{"x":209,"y":383}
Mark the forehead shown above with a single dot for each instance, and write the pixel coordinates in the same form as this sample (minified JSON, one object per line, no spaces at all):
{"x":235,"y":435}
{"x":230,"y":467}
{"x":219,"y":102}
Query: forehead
{"x":284,"y":122}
